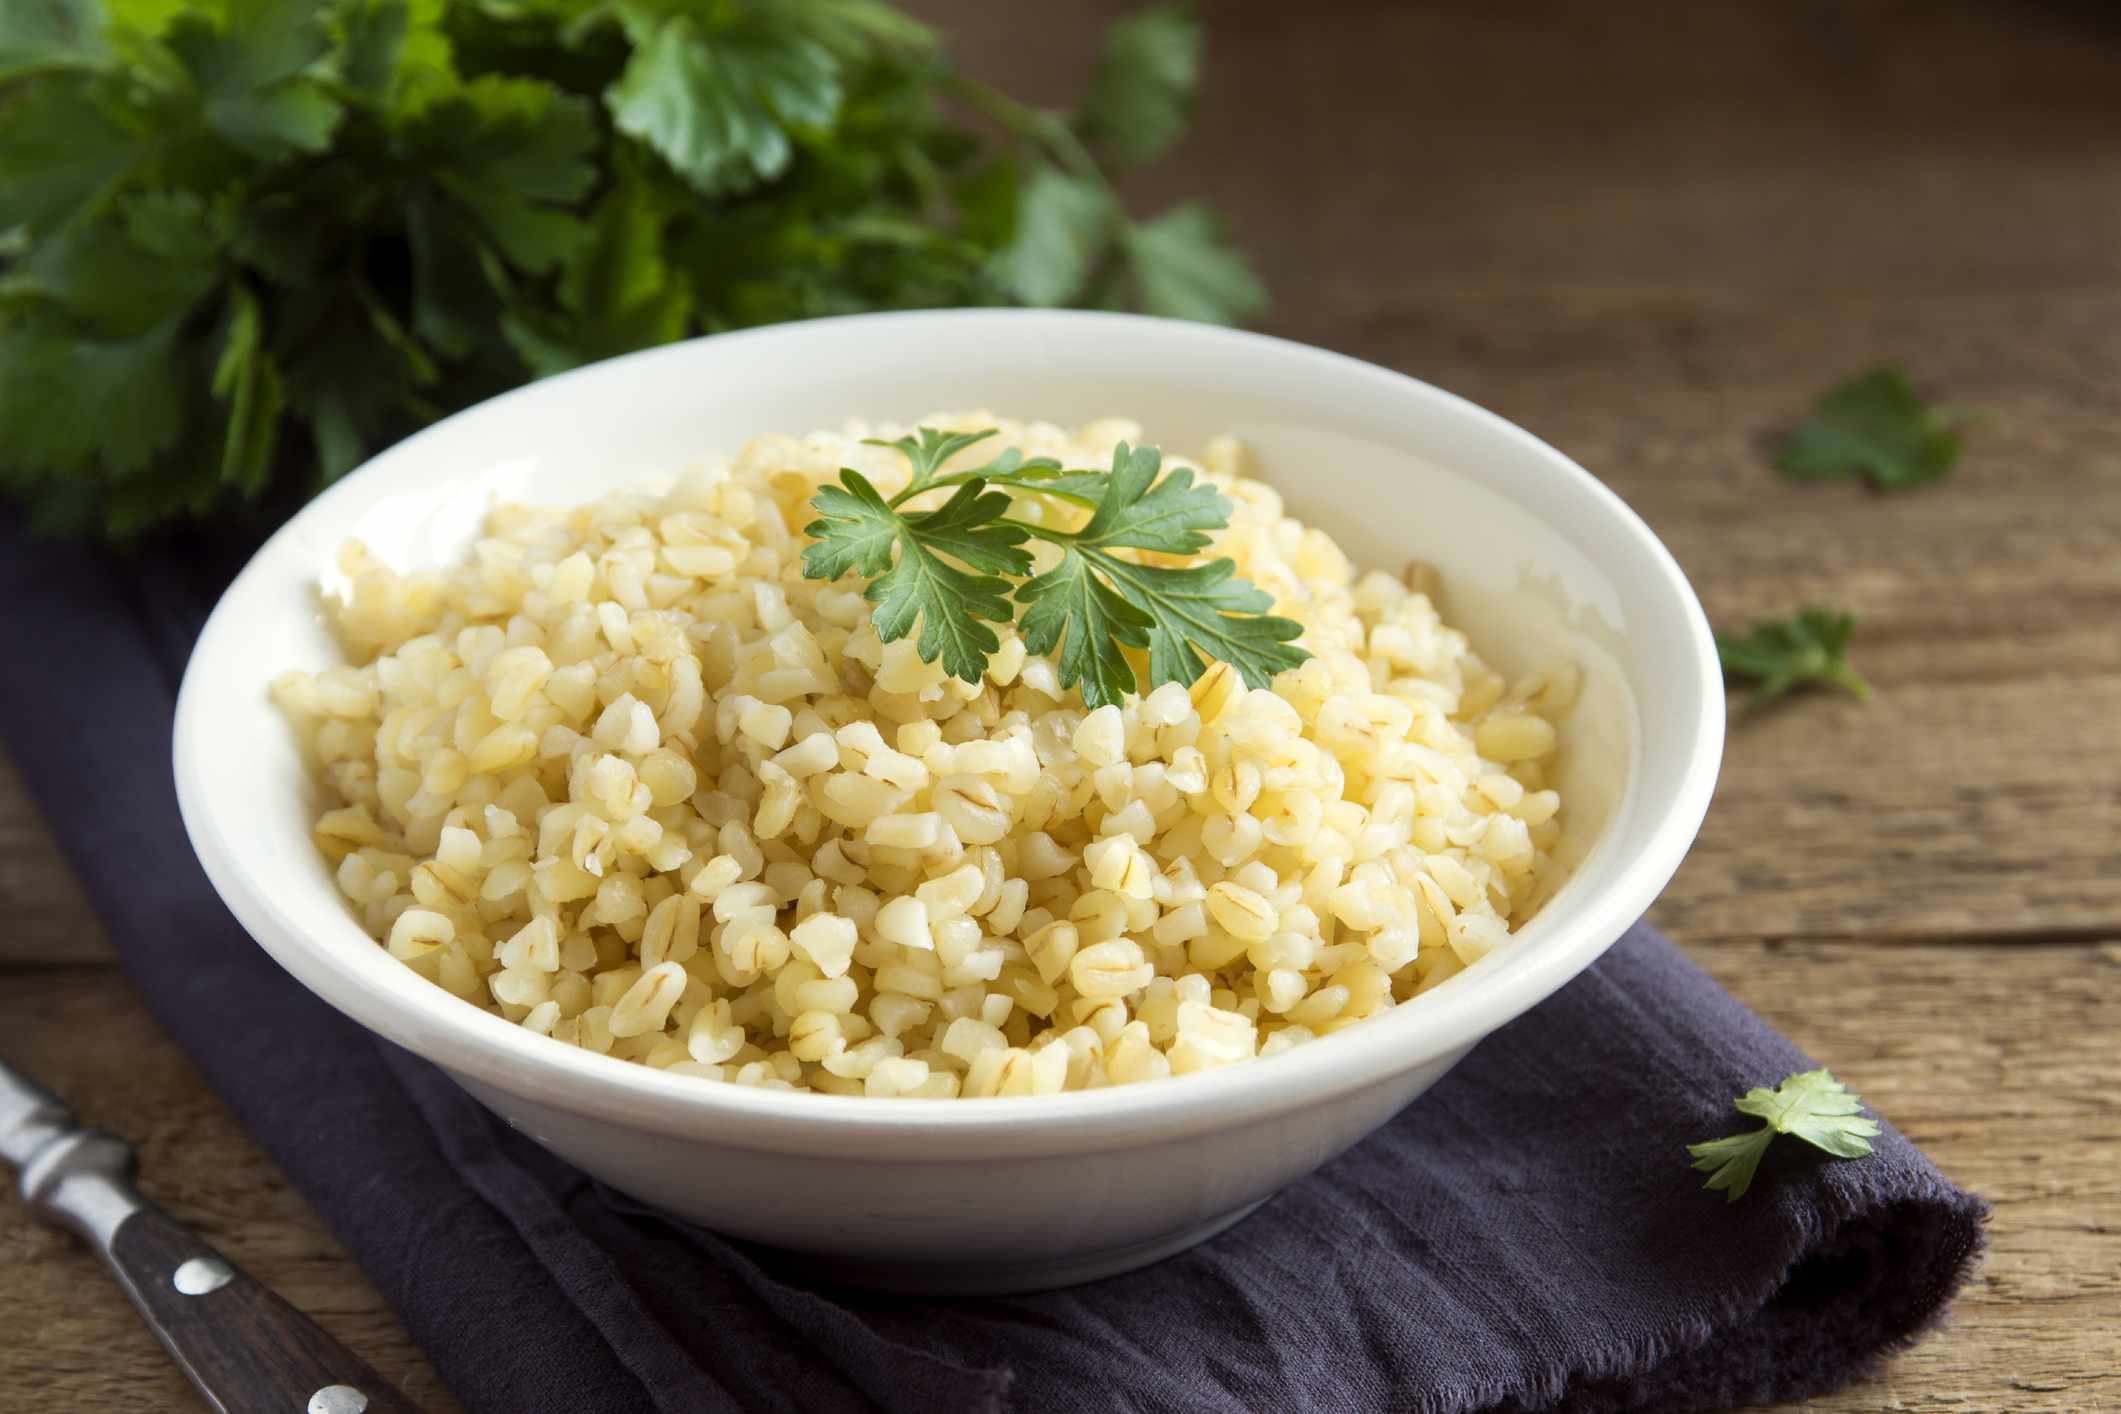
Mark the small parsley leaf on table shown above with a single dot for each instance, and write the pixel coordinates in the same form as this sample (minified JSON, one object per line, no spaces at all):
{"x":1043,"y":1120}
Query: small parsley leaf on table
{"x":1811,"y":1105}
{"x":1875,"y":426}
{"x":1783,"y":654}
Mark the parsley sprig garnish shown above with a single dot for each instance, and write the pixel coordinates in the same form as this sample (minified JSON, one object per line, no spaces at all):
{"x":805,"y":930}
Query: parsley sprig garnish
{"x":948,"y":568}
{"x":1811,"y":1105}
{"x":1811,"y":647}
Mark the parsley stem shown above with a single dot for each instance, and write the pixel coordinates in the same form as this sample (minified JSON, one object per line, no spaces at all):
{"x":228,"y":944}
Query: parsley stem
{"x":1851,"y":680}
{"x":959,"y":478}
{"x":1042,"y":532}
{"x":1046,"y":128}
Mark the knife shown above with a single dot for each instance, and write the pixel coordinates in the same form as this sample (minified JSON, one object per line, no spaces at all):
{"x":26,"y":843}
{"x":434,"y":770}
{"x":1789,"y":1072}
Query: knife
{"x":248,"y":1351}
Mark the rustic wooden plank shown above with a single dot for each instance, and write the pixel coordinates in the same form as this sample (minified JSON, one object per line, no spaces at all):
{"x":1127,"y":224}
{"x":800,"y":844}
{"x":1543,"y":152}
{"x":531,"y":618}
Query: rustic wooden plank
{"x":1997,"y":1059}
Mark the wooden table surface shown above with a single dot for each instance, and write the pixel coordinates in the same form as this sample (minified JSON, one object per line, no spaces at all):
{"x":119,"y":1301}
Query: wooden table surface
{"x":1652,"y":243}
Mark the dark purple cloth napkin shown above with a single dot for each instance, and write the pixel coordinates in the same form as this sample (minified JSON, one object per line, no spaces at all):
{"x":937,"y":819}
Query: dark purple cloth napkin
{"x":1528,"y":1236}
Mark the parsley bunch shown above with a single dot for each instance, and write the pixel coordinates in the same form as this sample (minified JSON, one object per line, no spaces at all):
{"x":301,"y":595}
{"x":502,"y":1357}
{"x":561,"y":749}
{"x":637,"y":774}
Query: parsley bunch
{"x":248,"y":242}
{"x":947,"y":568}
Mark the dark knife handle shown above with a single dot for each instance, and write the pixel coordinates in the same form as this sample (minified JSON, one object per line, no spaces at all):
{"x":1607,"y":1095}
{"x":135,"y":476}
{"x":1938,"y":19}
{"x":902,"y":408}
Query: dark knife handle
{"x":248,"y":1351}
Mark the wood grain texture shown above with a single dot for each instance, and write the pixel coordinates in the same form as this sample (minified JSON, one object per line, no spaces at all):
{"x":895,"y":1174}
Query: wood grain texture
{"x":1653,"y":242}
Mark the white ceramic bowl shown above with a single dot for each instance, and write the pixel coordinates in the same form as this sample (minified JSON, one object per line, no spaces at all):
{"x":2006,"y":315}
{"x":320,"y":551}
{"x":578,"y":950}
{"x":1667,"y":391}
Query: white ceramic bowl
{"x":1539,"y":562}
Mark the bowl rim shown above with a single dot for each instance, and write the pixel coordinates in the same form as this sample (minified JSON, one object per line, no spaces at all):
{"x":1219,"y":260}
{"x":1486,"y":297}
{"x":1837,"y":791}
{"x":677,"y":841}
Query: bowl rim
{"x":488,"y":1049}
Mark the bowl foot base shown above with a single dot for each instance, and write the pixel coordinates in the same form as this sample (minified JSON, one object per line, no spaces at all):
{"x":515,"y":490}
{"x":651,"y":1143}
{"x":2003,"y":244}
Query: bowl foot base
{"x":1008,"y":1278}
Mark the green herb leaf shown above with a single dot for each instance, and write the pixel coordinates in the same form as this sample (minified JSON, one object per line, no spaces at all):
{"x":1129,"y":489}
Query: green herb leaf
{"x":927,"y":449}
{"x":61,"y":146}
{"x":513,"y":154}
{"x":618,"y":291}
{"x":719,"y":107}
{"x":859,"y":531}
{"x":1780,"y":655}
{"x":357,"y":374}
{"x":1186,"y":269}
{"x":255,"y":74}
{"x":38,"y":36}
{"x":1072,"y":608}
{"x":57,"y":390}
{"x":394,"y":52}
{"x":106,"y":281}
{"x":1141,"y":513}
{"x":1811,"y":1105}
{"x":1064,"y":226}
{"x":1142,"y":92}
{"x":1201,"y":614}
{"x":1875,"y":426}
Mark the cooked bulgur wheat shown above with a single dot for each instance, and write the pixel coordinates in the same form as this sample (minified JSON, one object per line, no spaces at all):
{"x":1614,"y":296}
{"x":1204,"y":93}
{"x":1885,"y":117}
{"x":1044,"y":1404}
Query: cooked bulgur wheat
{"x":629,"y":780}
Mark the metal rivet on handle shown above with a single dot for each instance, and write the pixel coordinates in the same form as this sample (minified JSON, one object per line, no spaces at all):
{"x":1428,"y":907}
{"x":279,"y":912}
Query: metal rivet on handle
{"x":337,"y":1399}
{"x":201,"y":1275}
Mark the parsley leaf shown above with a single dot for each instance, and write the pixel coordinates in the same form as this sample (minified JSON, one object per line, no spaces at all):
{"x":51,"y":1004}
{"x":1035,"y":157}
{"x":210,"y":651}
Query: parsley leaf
{"x":1811,"y":1105}
{"x":1203,"y":610}
{"x":1091,"y":622}
{"x":43,"y":35}
{"x":1186,"y":269}
{"x":1780,"y":655}
{"x":1175,"y":611}
{"x":857,"y":530}
{"x":1875,"y":426}
{"x":255,"y":74}
{"x":513,"y":154}
{"x":63,"y":146}
{"x":1139,"y":512}
{"x":618,"y":291}
{"x":1142,"y":92}
{"x":719,"y":106}
{"x":393,"y":51}
{"x":927,"y":449}
{"x":1063,"y":227}
{"x":57,"y":389}
{"x":1091,"y":607}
